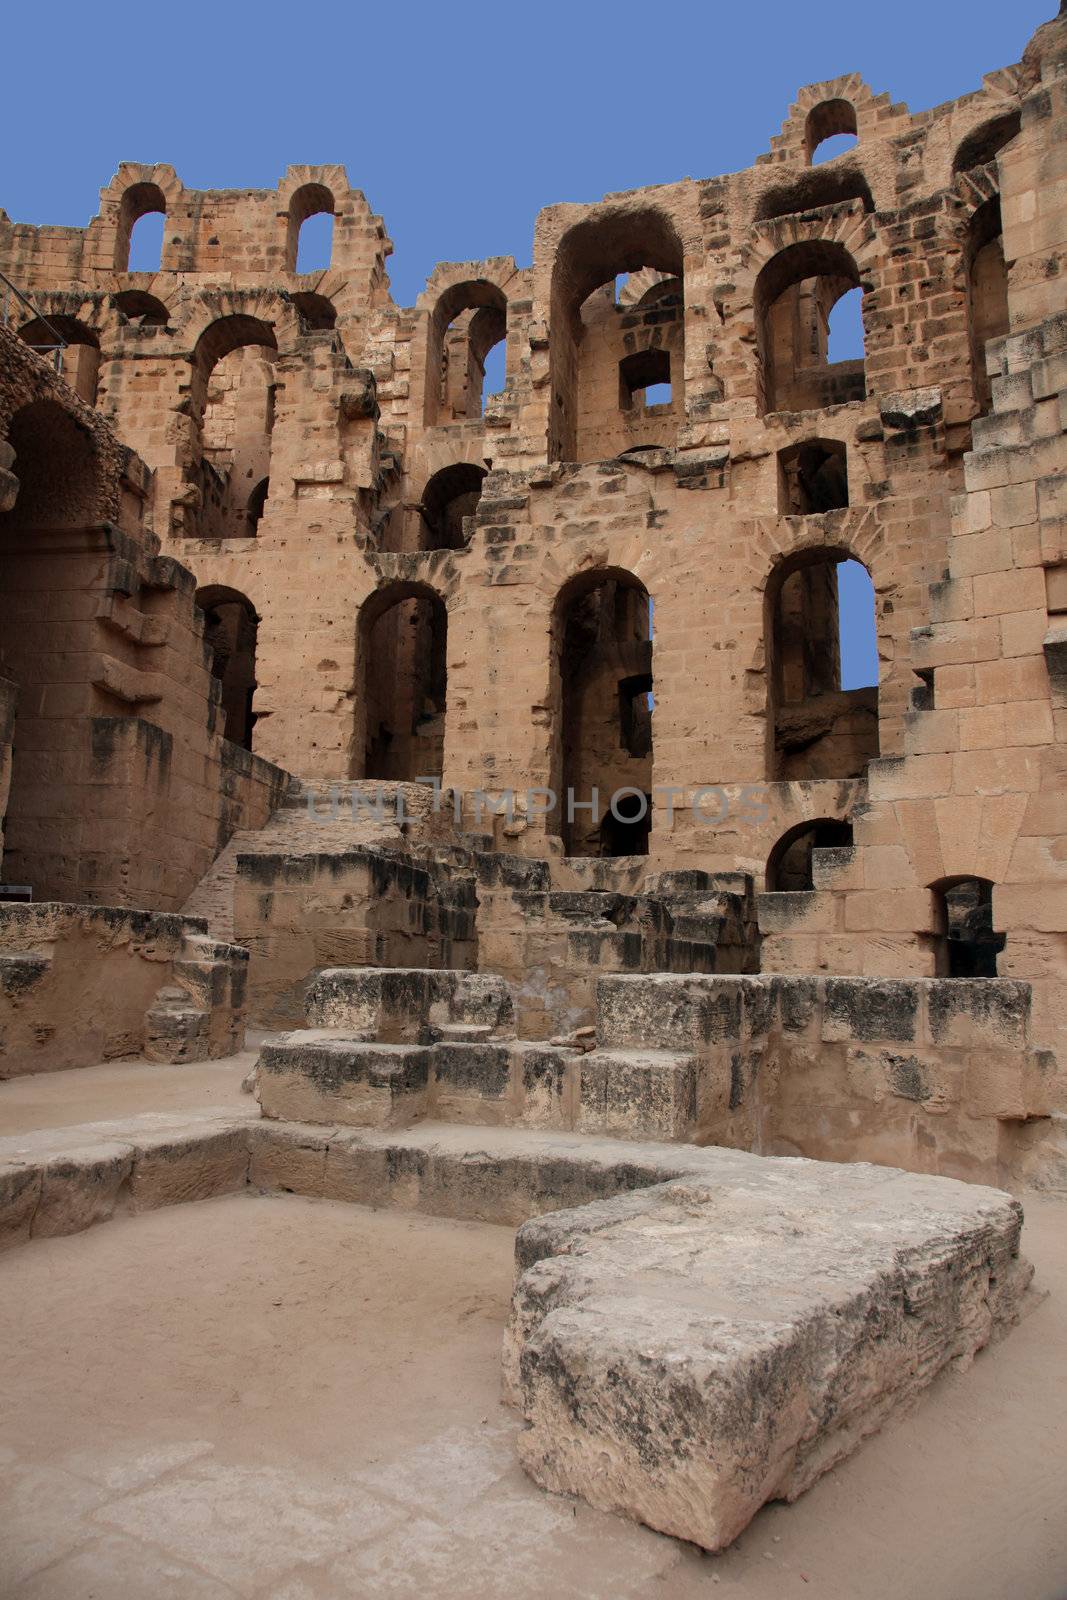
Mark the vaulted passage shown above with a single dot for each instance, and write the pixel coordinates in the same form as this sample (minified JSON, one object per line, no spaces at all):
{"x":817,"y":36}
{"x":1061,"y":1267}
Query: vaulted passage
{"x":789,"y":865}
{"x":403,"y":668}
{"x":602,"y":630}
{"x":51,"y":556}
{"x":821,"y":668}
{"x":230,"y":631}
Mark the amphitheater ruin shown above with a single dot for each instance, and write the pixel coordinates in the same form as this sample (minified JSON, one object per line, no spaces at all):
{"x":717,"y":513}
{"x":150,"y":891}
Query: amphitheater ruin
{"x":478,"y":768}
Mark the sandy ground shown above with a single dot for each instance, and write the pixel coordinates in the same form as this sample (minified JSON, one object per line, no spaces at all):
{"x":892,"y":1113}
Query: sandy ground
{"x":121,"y":1089}
{"x":287,"y":1399}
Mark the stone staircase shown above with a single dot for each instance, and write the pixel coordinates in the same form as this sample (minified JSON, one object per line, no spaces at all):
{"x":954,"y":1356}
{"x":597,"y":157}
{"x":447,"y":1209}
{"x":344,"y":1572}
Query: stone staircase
{"x":317,"y":817}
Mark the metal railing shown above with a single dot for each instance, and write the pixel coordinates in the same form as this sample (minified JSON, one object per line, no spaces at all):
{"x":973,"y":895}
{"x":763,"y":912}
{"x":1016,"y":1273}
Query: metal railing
{"x":56,"y":349}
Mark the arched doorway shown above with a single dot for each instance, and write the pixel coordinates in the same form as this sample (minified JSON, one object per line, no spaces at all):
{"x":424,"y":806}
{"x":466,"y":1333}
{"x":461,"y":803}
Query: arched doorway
{"x":403,"y":670}
{"x":230,"y":631}
{"x":602,"y":749}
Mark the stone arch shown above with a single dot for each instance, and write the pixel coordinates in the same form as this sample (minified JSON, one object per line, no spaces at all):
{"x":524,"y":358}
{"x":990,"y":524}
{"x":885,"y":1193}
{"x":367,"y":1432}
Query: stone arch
{"x":402,"y":674}
{"x":309,"y":199}
{"x":77,"y":358}
{"x":467,"y":317}
{"x":827,"y":119}
{"x":144,"y":309}
{"x":837,"y":105}
{"x":815,"y":728}
{"x":448,"y":499}
{"x":58,"y":467}
{"x":814,"y":190}
{"x":792,"y":295}
{"x":984,"y":143}
{"x":231,"y":627}
{"x":138,"y":199}
{"x":789,"y":864}
{"x":609,"y":241}
{"x":601,"y":711}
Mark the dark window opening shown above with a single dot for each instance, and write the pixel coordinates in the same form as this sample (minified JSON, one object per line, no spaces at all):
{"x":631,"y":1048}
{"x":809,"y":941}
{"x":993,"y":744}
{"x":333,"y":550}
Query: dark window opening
{"x":448,"y":500}
{"x":809,"y":328}
{"x":625,"y":832}
{"x":603,"y":632}
{"x":143,"y":309}
{"x":230,"y":632}
{"x":316,"y":311}
{"x":967,"y":946}
{"x":257,"y":501}
{"x":645,"y":380}
{"x":986,"y":142}
{"x":812,"y":478}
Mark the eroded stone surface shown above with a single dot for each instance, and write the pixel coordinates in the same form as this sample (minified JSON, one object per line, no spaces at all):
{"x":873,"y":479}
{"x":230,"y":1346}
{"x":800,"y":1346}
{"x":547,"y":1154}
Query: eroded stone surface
{"x":685,"y":1353}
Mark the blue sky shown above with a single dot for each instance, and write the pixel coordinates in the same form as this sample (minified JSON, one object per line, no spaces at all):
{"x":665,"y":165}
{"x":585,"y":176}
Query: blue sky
{"x":459,"y":121}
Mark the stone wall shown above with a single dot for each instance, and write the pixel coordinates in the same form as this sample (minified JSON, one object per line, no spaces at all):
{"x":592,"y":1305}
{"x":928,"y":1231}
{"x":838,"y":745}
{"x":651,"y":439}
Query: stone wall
{"x":122,"y":788}
{"x":84,"y":984}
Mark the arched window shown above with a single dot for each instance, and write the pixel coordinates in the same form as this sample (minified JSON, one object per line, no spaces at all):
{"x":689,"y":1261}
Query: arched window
{"x":987,"y":294}
{"x":795,"y":298}
{"x":230,"y":629}
{"x":468,"y":322}
{"x":449,"y":498}
{"x":309,"y":236}
{"x":602,"y":738}
{"x":143,"y":309}
{"x":812,"y":477}
{"x":403,"y":671}
{"x":233,"y":392}
{"x":139,"y":236}
{"x":830,"y":130}
{"x":78,"y":359}
{"x":821,"y":668}
{"x":598,"y":327}
{"x":966,"y":945}
{"x":986,"y":142}
{"x":789,"y":865}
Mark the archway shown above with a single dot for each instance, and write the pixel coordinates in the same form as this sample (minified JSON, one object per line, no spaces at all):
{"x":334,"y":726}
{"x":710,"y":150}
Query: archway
{"x":50,"y":561}
{"x":595,"y":329}
{"x":795,"y":295}
{"x":77,"y":359}
{"x":449,"y":498}
{"x":789,"y":865}
{"x":230,"y":632}
{"x":233,"y":394}
{"x":309,"y":230}
{"x":602,"y":747}
{"x":140,"y":200}
{"x":403,"y":669}
{"x":822,"y":723}
{"x":468,"y":321}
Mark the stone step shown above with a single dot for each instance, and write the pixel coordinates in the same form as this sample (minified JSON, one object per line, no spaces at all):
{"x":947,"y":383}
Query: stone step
{"x":326,"y":1075}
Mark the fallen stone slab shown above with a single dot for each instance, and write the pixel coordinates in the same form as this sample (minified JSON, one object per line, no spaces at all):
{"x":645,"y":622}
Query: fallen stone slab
{"x":687,"y":1352}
